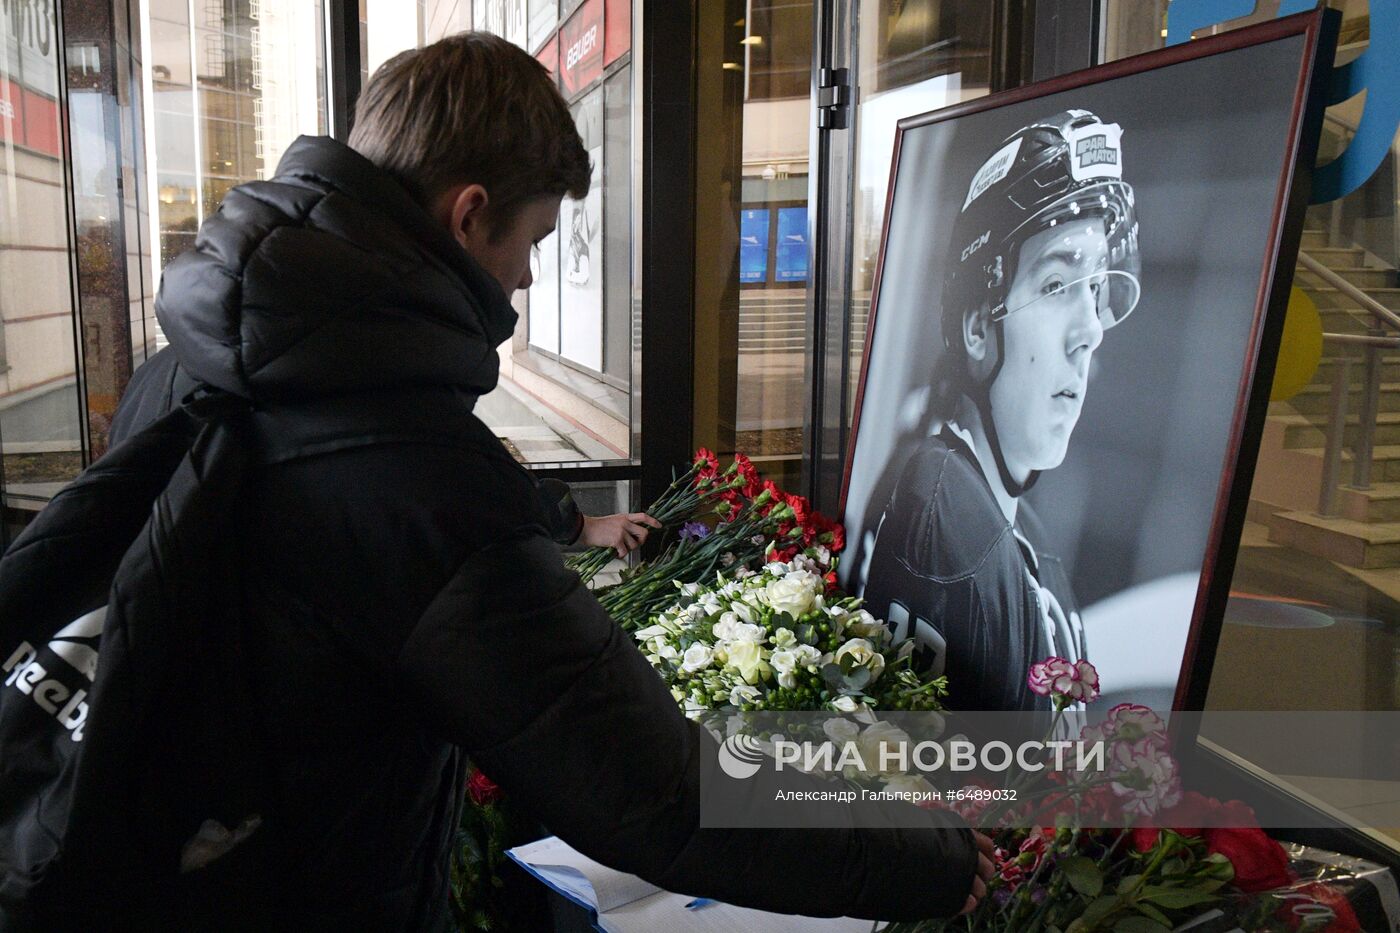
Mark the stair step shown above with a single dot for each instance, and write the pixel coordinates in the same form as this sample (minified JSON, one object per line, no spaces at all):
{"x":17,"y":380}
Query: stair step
{"x":1344,"y":540}
{"x":1336,"y":256}
{"x":1380,"y":503}
{"x":1314,"y":239}
{"x":1316,"y":399}
{"x":1327,"y":367}
{"x":1363,"y":277}
{"x":1302,"y":433}
{"x":1385,"y":461}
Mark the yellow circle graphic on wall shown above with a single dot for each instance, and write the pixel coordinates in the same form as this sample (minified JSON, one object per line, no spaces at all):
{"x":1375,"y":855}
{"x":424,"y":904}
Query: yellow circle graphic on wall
{"x":1300,"y":350}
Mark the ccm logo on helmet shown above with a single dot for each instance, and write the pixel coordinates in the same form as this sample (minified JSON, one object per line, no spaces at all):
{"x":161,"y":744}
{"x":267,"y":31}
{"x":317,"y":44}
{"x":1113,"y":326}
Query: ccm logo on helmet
{"x":975,"y":245}
{"x":53,"y":677}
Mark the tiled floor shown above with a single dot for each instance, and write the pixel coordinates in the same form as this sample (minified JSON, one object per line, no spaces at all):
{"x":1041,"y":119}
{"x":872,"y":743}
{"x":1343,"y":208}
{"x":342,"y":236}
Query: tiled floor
{"x":1374,"y":805}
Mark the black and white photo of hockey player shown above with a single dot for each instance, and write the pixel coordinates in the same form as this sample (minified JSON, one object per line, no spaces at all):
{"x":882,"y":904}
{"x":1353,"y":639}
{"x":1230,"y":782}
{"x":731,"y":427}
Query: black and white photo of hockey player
{"x":1044,"y":261}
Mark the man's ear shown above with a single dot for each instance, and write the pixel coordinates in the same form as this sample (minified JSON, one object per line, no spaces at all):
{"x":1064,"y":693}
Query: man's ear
{"x":975,"y":324}
{"x":463,"y":210}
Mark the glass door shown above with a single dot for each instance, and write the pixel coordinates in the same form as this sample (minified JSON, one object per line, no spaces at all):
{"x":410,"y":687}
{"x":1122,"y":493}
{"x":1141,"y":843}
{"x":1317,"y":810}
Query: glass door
{"x":878,"y":61}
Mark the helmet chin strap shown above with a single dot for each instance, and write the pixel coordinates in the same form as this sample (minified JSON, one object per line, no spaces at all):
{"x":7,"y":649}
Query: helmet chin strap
{"x":982,"y":398}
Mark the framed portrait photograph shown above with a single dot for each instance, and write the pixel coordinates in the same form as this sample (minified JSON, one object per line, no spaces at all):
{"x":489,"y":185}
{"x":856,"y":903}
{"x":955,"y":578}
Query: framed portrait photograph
{"x":1079,"y":298}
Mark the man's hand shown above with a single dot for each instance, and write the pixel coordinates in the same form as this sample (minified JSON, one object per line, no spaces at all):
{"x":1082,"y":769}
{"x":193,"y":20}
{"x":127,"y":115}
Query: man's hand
{"x":985,"y":870}
{"x":623,"y":532}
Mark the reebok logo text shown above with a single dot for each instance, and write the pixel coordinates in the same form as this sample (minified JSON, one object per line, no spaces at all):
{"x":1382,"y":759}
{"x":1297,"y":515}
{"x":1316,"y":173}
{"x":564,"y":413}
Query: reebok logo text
{"x":53,"y":677}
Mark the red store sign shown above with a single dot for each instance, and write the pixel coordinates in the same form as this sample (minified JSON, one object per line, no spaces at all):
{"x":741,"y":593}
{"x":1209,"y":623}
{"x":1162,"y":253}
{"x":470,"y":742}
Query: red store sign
{"x":28,"y":119}
{"x":581,"y":47}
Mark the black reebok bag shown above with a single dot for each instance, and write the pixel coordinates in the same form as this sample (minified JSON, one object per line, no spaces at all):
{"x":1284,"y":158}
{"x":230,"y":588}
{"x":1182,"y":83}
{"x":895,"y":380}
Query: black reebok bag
{"x":129,"y":755}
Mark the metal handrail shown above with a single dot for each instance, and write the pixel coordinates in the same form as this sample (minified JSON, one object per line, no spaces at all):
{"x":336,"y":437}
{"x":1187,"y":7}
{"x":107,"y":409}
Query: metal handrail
{"x":1330,"y":117}
{"x":1374,"y":341}
{"x":1364,"y":339}
{"x":1368,"y":304}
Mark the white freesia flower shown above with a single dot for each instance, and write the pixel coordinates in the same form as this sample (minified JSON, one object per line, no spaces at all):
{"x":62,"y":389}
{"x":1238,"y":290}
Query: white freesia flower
{"x":724,"y":629}
{"x":743,"y":694}
{"x":784,"y":638}
{"x":862,"y":654}
{"x":806,"y":655}
{"x":844,"y":704}
{"x":744,"y":608}
{"x":747,"y":658}
{"x":747,"y":631}
{"x":783,"y":660}
{"x":667,"y":652}
{"x":652,"y":631}
{"x":697,"y":657}
{"x":865,"y":625}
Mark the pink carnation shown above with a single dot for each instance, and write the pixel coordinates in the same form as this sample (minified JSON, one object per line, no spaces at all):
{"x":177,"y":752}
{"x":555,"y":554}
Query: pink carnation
{"x":1077,"y":681}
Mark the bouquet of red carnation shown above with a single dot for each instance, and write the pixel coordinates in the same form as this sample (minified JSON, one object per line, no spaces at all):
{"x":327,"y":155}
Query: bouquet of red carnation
{"x":715,"y":520}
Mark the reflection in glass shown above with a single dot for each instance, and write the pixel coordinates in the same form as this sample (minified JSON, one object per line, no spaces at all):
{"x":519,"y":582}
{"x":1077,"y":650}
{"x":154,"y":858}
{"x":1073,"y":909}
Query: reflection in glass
{"x":913,"y":57}
{"x":40,"y":427}
{"x":259,"y":83}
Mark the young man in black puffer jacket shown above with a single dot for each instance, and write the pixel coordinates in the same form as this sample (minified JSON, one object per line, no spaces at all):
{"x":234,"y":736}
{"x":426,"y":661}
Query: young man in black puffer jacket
{"x":403,"y":602}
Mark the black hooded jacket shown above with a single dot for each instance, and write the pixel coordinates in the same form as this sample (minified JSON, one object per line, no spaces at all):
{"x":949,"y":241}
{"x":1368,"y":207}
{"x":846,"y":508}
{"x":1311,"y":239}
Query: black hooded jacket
{"x":403,"y":603}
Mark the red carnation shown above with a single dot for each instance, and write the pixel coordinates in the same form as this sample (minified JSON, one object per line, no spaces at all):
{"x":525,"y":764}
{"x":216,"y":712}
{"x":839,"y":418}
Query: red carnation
{"x":801,"y":509}
{"x":482,"y":789}
{"x":836,"y":530}
{"x":753,"y":482}
{"x":1260,"y":862}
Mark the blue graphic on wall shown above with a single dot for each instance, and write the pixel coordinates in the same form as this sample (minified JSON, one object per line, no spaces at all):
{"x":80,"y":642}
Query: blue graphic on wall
{"x":753,"y":246}
{"x":1376,"y":71}
{"x":791,"y":264}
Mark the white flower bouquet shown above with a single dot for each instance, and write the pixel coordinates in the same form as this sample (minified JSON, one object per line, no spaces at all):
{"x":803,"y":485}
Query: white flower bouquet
{"x":782,"y":638}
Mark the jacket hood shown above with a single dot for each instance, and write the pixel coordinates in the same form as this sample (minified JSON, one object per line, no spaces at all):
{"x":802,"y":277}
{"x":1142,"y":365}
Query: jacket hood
{"x":330,"y":279}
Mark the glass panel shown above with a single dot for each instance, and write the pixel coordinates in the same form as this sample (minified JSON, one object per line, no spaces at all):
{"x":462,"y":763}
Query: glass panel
{"x":617,"y":229}
{"x":261,"y":80}
{"x":913,"y":57}
{"x":751,"y":231}
{"x":40,"y":427}
{"x":1318,"y":594}
{"x":445,"y":18}
{"x":581,"y":251}
{"x":566,"y":376}
{"x":544,"y":16}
